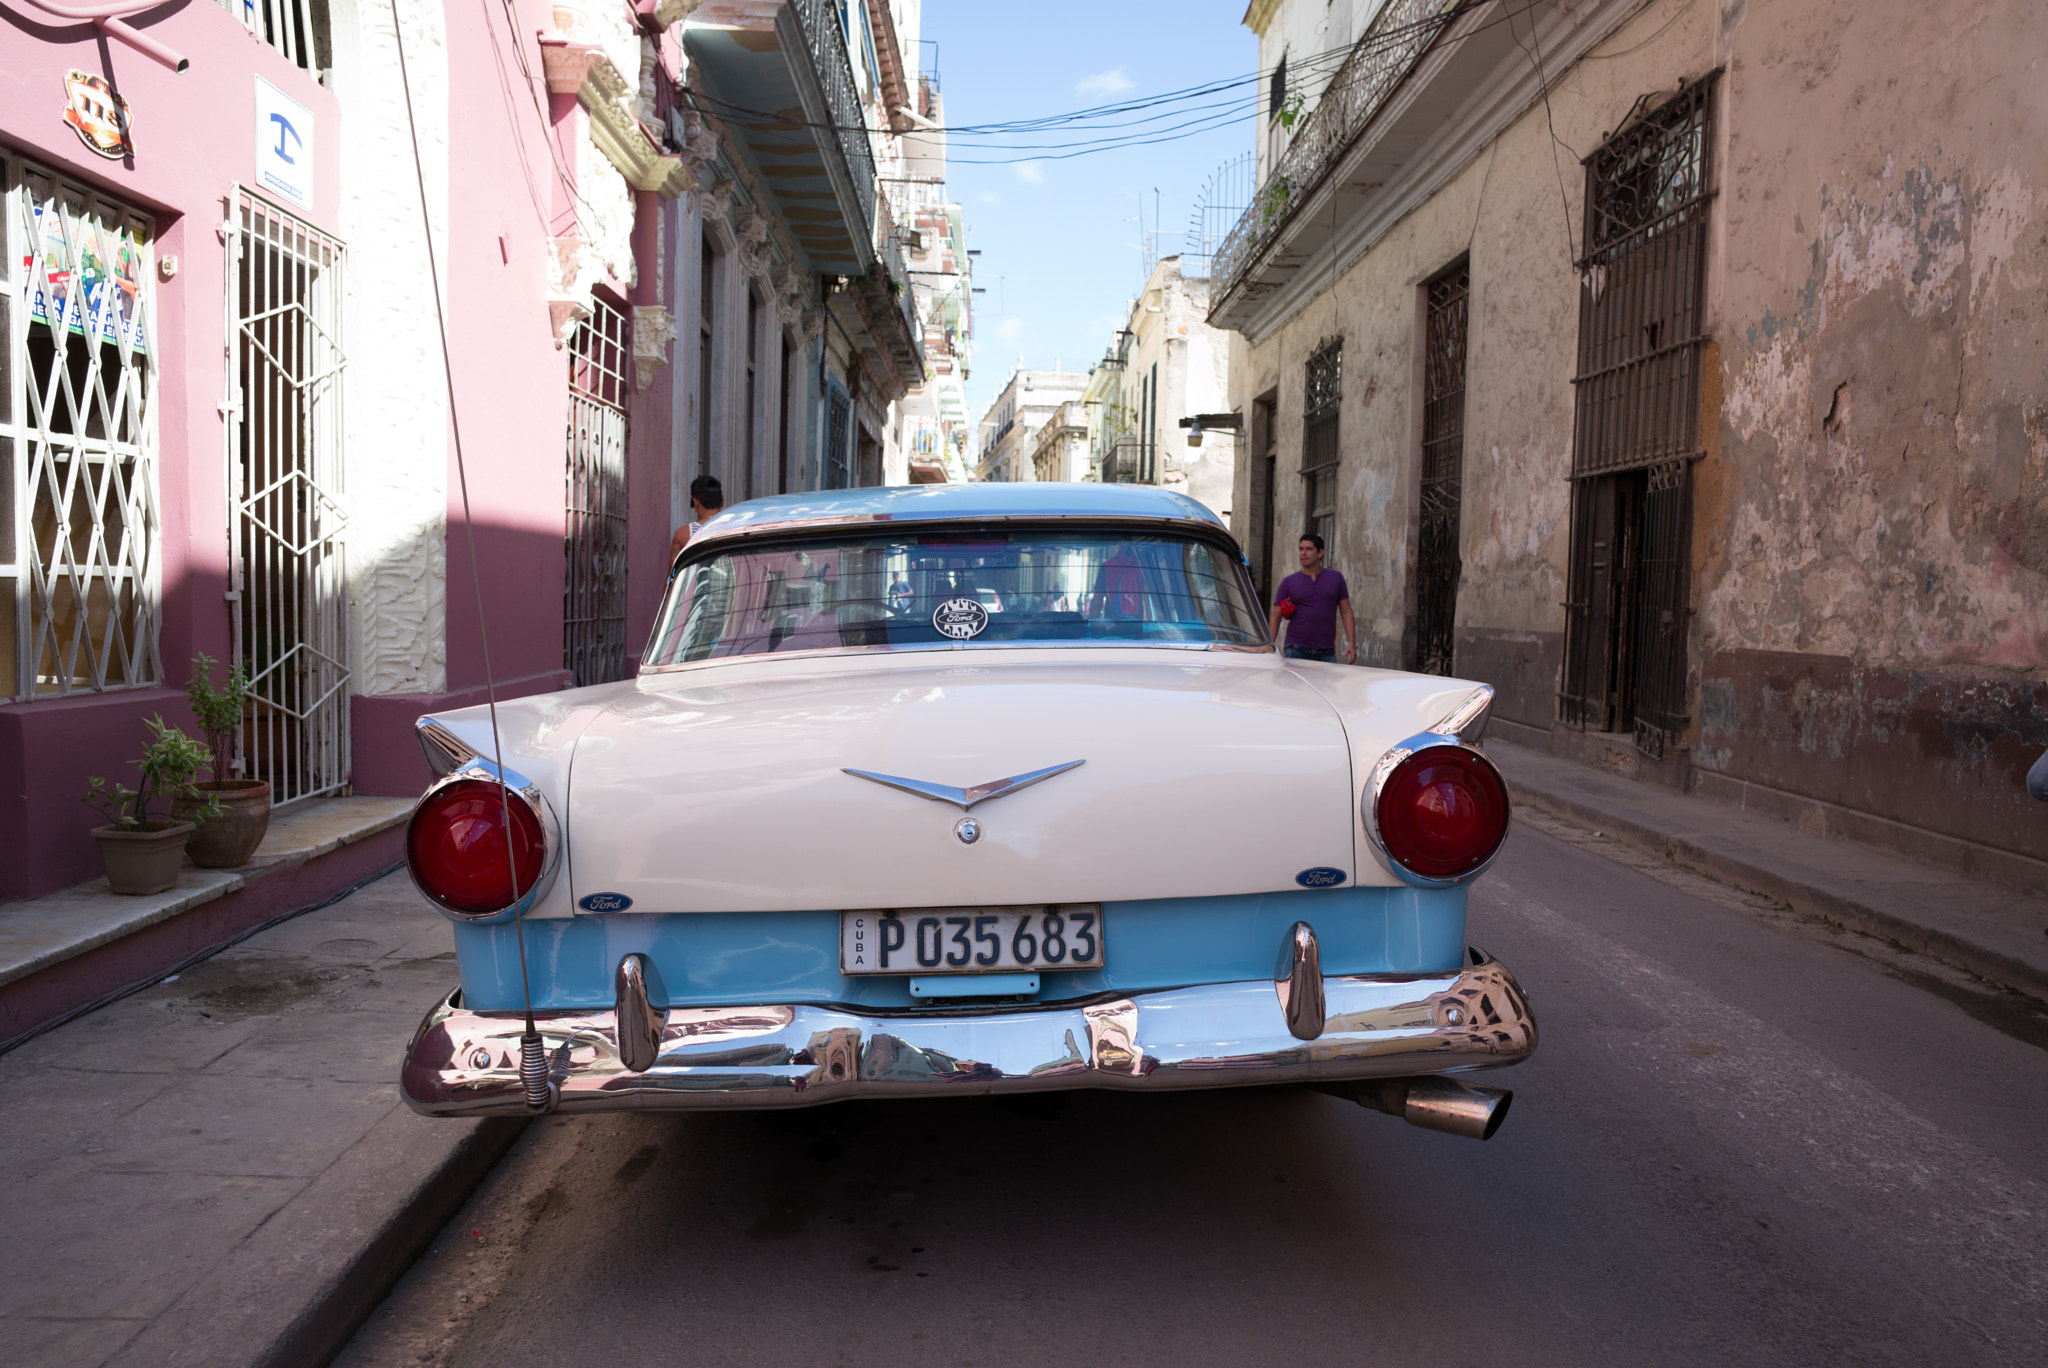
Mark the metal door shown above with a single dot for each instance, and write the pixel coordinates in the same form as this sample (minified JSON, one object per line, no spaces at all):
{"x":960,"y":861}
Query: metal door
{"x":1437,"y":560}
{"x":289,"y":570}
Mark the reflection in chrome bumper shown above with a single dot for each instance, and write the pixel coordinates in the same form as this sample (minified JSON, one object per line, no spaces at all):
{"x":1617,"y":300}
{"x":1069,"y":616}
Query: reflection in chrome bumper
{"x":464,"y":1063}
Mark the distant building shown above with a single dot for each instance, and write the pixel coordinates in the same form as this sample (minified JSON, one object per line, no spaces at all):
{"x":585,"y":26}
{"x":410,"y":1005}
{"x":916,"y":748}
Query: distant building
{"x":1165,"y":365}
{"x":1009,"y":431}
{"x":930,"y":430}
{"x":1060,"y":451}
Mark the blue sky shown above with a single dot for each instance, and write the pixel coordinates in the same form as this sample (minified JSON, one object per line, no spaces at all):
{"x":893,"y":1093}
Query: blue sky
{"x":1059,"y":239}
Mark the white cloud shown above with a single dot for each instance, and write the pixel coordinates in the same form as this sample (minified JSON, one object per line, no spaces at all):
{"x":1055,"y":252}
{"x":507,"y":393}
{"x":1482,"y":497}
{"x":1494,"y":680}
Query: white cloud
{"x":1111,"y":82}
{"x":1010,"y":329}
{"x":1031,"y":173}
{"x":988,"y":197}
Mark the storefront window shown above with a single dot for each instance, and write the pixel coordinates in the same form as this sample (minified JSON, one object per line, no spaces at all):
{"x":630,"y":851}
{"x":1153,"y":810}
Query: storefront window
{"x":79,"y":580}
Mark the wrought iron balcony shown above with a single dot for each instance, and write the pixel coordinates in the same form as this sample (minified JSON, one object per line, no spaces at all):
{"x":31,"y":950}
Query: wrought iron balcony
{"x":1128,"y":460}
{"x":825,"y":39}
{"x":1397,"y":39}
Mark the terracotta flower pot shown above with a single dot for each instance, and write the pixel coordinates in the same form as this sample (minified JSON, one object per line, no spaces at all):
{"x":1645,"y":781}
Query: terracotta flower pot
{"x":145,"y":860}
{"x":231,"y":838}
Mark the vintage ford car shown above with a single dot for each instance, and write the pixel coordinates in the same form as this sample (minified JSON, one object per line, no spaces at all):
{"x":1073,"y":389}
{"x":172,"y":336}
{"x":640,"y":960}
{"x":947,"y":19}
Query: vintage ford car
{"x":950,"y":790}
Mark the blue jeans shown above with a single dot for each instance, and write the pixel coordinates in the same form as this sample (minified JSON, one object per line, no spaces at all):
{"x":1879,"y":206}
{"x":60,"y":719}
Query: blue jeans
{"x":1326,"y":654}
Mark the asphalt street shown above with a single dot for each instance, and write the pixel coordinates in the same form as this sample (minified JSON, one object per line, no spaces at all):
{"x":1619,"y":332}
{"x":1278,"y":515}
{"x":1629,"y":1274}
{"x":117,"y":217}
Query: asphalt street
{"x":1744,"y":1139}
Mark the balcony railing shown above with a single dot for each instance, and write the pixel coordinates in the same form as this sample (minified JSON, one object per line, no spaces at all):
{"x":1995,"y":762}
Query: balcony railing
{"x":1382,"y":58}
{"x":826,"y":39}
{"x":1129,"y":460}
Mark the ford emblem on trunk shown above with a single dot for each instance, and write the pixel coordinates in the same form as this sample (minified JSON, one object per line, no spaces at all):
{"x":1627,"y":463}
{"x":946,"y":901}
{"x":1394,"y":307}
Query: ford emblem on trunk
{"x":1322,"y":876}
{"x":604,"y":902}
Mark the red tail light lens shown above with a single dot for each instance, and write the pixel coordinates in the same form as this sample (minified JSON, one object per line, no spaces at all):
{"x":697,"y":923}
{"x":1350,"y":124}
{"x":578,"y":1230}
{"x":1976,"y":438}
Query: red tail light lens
{"x":1442,"y":812}
{"x":456,"y":847}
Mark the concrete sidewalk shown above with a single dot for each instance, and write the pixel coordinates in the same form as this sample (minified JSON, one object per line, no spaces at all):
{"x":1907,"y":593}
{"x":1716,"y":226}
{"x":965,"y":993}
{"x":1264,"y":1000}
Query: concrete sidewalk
{"x":66,"y":950}
{"x":1993,"y":932}
{"x":218,"y":1170}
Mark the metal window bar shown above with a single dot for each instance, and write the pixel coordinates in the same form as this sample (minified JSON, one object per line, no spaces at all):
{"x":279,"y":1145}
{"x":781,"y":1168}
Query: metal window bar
{"x":594,"y":500}
{"x":80,"y":580}
{"x":838,"y":439}
{"x":753,"y":416}
{"x":286,"y":484}
{"x":287,"y":25}
{"x":1323,"y":394}
{"x":707,"y":319}
{"x":1445,"y":349}
{"x":1642,"y":345}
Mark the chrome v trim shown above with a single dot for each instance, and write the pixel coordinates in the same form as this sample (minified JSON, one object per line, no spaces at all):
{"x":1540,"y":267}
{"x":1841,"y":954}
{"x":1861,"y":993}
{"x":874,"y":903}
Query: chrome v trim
{"x":965,"y":798}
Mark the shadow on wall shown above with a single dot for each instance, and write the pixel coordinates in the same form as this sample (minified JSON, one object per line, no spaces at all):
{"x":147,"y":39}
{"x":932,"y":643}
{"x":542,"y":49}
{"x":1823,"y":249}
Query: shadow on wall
{"x":51,"y":747}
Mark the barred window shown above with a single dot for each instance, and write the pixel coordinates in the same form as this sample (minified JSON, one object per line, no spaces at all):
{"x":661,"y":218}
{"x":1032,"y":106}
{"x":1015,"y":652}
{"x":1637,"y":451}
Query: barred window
{"x":1635,"y":429}
{"x":79,"y":578}
{"x":297,"y":28}
{"x":594,"y":583}
{"x":1319,"y":451}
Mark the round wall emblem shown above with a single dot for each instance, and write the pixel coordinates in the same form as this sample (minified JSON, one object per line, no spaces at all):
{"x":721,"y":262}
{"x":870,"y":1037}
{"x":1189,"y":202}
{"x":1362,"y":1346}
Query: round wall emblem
{"x":968,"y":830}
{"x":959,"y":618}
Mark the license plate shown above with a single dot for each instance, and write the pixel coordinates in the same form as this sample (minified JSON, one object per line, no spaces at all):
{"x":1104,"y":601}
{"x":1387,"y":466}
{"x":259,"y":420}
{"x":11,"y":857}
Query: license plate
{"x":971,"y":940}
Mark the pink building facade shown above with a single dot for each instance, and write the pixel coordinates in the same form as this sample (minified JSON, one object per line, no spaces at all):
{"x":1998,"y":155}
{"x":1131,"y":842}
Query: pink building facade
{"x":225,"y":422}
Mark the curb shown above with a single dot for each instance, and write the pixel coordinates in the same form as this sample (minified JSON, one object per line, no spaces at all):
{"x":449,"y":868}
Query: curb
{"x":337,"y":1310}
{"x":298,"y":1288}
{"x":1805,"y":898}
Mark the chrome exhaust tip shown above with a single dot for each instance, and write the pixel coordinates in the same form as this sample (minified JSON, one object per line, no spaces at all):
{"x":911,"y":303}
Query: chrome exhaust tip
{"x":1438,"y":1104}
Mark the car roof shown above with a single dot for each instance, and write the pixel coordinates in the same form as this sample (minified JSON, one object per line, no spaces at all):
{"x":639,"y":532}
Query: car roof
{"x":950,"y":502}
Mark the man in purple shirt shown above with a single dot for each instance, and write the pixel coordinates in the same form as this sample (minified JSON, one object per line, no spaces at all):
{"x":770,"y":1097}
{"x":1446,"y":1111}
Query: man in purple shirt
{"x":1318,"y":598}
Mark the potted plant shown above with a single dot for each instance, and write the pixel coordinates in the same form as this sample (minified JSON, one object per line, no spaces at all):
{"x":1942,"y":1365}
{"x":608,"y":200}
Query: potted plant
{"x":143,"y":852}
{"x":230,"y":838}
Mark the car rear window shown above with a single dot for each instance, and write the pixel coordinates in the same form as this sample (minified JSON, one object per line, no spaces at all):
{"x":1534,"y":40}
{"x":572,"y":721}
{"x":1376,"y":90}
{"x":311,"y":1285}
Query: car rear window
{"x":896,"y":589}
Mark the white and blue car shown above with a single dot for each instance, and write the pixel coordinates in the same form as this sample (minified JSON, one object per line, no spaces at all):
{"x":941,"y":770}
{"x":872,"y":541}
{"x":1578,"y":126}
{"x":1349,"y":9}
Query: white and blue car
{"x":950,"y":790}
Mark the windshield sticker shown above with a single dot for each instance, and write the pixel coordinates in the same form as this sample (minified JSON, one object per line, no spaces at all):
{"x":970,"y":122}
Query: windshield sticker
{"x":962,"y":619}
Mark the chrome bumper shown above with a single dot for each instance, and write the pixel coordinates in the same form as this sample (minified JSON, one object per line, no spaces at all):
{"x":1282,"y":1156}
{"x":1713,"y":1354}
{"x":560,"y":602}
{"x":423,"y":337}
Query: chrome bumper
{"x":1221,"y":1035}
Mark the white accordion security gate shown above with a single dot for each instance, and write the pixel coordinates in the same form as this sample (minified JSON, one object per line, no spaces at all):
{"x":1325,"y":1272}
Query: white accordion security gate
{"x":594,"y":541}
{"x":288,"y":567}
{"x":80,"y":583}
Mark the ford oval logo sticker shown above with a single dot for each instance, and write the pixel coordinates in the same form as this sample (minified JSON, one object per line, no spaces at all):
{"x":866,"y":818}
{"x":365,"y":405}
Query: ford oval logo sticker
{"x":619,"y":902}
{"x":1320,"y":877}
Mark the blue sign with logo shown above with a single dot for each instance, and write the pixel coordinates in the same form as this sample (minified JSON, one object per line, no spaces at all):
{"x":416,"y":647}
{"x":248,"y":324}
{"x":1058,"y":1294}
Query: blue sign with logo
{"x":604,"y":902}
{"x":1322,"y":876}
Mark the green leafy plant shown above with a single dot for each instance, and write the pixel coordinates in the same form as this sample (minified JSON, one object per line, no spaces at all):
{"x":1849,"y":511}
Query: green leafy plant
{"x":1273,"y":200}
{"x":168,"y":765}
{"x":1290,"y":112}
{"x":219,"y":710}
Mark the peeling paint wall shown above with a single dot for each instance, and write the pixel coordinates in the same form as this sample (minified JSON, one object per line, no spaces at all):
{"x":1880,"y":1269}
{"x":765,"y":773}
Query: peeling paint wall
{"x":1870,"y":536}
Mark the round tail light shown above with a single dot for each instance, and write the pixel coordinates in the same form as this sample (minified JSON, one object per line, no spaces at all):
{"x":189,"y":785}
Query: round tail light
{"x":1441,"y":813}
{"x":458,"y":854}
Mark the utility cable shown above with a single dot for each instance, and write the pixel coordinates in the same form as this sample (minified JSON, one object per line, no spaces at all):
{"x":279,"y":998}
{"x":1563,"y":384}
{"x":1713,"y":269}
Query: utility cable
{"x":532,"y":1057}
{"x":1534,"y":50}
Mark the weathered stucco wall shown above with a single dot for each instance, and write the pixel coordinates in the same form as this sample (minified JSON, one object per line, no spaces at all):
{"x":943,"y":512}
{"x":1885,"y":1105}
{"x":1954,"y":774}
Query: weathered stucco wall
{"x":1881,"y":519}
{"x":1870,"y":538}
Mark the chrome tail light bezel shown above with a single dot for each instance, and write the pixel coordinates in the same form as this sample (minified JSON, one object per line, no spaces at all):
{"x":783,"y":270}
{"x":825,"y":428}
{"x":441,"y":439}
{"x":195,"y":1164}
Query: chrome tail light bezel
{"x":1459,"y":730}
{"x":519,"y":789}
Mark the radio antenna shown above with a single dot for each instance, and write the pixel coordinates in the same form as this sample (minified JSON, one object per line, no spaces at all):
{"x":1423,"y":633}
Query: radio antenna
{"x":533,"y":1066}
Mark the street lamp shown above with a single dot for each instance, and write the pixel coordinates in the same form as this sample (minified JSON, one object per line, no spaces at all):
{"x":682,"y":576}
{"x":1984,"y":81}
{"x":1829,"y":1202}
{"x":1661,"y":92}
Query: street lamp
{"x":1196,"y":423}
